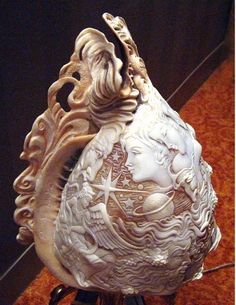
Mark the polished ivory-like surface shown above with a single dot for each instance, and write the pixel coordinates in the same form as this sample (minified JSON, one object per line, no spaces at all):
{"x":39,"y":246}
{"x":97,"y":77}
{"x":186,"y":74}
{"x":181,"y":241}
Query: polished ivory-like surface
{"x":136,"y":212}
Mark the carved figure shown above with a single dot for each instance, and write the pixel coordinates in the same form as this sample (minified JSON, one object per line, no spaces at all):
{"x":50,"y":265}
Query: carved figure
{"x":116,"y":195}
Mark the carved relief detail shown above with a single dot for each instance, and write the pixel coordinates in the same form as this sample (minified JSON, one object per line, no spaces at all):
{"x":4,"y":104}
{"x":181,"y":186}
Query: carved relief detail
{"x":116,"y":187}
{"x":97,"y":91}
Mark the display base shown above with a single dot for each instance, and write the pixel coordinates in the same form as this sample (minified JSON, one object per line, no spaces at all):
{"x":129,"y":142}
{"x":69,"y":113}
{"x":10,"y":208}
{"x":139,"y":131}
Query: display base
{"x":90,"y":298}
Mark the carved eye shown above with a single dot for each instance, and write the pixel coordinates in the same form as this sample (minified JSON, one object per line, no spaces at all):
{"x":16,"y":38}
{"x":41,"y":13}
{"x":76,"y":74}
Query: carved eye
{"x":136,"y":152}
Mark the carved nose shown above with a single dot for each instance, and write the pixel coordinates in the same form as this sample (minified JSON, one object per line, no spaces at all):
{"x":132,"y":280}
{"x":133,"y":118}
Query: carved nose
{"x":128,"y":163}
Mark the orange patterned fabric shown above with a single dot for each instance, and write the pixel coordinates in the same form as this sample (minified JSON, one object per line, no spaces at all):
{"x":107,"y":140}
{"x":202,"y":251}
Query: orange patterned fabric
{"x":211,"y":112}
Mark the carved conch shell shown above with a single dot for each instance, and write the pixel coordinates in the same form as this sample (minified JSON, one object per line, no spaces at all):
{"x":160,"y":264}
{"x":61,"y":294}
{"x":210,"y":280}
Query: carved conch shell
{"x":116,"y":196}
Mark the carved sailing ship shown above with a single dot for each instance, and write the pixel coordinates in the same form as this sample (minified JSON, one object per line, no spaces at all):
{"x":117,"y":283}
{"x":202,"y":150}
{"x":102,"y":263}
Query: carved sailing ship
{"x":116,"y":196}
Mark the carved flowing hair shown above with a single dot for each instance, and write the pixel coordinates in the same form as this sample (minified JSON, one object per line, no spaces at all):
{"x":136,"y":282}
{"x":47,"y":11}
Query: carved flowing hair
{"x":103,"y":84}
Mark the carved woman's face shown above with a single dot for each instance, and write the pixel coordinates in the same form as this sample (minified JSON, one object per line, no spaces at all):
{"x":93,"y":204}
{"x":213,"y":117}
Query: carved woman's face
{"x":141,"y":161}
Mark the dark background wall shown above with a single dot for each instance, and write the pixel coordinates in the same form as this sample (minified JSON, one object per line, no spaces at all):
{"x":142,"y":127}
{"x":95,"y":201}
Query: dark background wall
{"x":179,"y":40}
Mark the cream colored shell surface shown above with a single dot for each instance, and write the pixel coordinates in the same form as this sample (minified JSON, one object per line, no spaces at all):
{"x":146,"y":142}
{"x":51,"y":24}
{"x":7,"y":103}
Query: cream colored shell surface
{"x":116,"y":196}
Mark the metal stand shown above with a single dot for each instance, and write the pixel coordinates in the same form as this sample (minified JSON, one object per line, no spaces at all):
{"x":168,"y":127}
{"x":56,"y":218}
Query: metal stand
{"x":59,"y":293}
{"x":90,"y":298}
{"x":85,"y":298}
{"x":134,"y":300}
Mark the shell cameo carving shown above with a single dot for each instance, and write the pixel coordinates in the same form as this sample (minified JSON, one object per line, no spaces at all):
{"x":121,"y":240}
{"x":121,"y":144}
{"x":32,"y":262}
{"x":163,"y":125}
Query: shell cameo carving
{"x":116,"y":196}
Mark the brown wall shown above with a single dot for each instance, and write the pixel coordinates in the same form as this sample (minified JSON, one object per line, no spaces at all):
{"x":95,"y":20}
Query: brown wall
{"x":173,"y":37}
